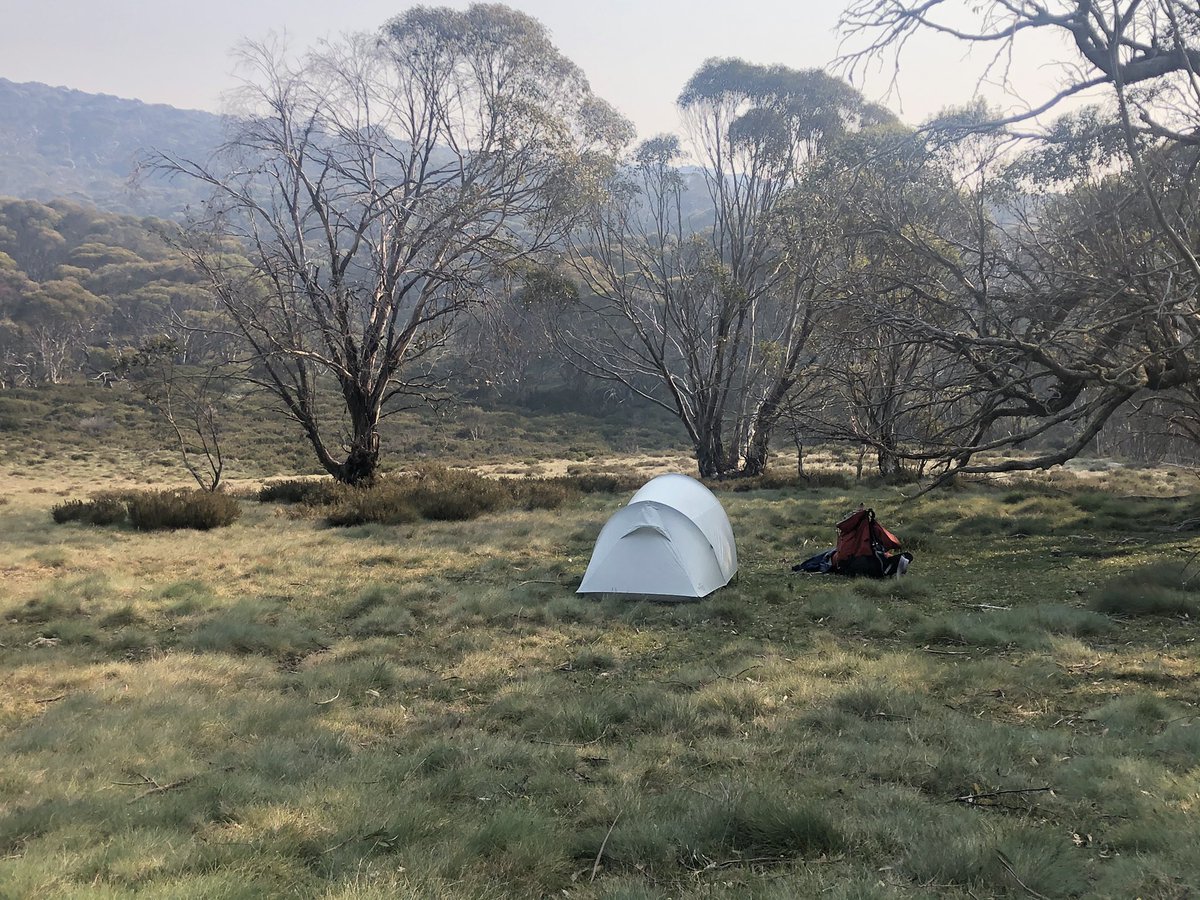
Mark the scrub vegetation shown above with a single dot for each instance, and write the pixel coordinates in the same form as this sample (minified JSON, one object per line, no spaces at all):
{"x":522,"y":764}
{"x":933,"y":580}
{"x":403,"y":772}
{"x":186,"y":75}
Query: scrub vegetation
{"x":426,"y":709}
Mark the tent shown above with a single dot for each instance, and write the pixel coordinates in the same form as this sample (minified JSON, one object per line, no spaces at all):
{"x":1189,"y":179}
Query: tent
{"x":671,"y":540}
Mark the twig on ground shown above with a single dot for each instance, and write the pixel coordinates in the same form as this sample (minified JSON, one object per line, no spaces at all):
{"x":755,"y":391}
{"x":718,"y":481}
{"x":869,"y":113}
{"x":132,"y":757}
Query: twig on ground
{"x":339,"y":845}
{"x":1017,"y":878}
{"x":50,"y":699}
{"x":413,"y":771}
{"x":738,"y":675}
{"x":1181,"y":719}
{"x":704,"y":682}
{"x":575,"y":744}
{"x":603,"y":844}
{"x":754,"y":861}
{"x":989,"y":606}
{"x":330,"y":700}
{"x":947,"y":652}
{"x":155,"y":788}
{"x":163,"y":788}
{"x":973,"y":798}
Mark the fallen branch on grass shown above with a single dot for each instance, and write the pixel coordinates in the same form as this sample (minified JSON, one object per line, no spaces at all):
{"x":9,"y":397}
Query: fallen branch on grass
{"x":50,"y":699}
{"x":738,"y":675}
{"x":704,"y":682}
{"x":983,"y":795}
{"x":330,"y":700}
{"x":603,"y":844}
{"x":572,"y":744}
{"x":155,"y":787}
{"x":754,"y":861}
{"x":1004,"y":861}
{"x":1180,"y":719}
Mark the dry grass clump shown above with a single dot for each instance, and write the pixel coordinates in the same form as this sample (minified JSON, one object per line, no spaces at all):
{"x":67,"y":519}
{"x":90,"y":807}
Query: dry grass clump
{"x":763,"y":826}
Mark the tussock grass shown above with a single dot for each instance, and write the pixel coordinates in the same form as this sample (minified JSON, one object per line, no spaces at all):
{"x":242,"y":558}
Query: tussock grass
{"x":1153,"y":590}
{"x":254,"y":628}
{"x":761,"y":826}
{"x":427,"y":710}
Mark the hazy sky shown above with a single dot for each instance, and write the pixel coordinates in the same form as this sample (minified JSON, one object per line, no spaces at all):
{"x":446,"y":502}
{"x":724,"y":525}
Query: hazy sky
{"x":636,"y":53}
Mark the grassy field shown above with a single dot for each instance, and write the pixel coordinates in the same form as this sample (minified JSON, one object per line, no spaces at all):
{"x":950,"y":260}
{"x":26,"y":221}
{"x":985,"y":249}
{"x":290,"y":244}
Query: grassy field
{"x":114,"y":431}
{"x":280,"y":708}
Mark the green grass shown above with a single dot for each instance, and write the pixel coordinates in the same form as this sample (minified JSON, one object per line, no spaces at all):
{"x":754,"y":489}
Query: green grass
{"x":1157,"y":589}
{"x":426,"y":709}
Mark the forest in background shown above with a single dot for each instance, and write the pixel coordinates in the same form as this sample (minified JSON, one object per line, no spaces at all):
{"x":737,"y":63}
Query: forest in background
{"x":799,"y":268}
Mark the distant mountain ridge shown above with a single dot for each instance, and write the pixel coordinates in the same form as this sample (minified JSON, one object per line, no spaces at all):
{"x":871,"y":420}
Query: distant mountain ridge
{"x":60,"y":142}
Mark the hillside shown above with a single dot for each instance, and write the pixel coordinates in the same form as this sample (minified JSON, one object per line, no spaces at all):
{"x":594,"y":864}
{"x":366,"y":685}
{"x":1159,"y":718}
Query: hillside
{"x":57,"y":142}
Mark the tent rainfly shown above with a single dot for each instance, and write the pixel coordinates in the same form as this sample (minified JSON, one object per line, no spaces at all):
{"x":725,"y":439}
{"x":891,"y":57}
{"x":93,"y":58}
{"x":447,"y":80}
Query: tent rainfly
{"x":672,"y":540}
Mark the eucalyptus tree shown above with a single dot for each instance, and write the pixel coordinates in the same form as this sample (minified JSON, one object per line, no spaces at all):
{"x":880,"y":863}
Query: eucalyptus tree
{"x":706,"y":308}
{"x":876,"y":382}
{"x":1098,"y":306}
{"x":371,"y":190}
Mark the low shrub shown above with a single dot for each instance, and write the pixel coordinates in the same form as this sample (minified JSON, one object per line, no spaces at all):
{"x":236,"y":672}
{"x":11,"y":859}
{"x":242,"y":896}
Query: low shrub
{"x":68,"y":511}
{"x":452,"y":495}
{"x":540,"y":493}
{"x":441,"y":494}
{"x":103,"y":510}
{"x":384,"y":502}
{"x":310,"y":492}
{"x":602,"y":482}
{"x":162,"y":510}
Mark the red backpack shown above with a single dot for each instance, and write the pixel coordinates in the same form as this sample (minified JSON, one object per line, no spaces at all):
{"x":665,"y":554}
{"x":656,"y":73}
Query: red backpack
{"x":865,"y":547}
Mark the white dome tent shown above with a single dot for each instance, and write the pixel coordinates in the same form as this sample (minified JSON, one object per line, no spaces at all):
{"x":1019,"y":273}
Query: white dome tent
{"x":672,"y":539}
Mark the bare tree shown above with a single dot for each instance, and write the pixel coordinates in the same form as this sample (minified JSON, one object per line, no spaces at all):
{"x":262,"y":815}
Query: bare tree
{"x":191,"y":399}
{"x":705,"y":306}
{"x":1123,"y":44}
{"x":370,"y":191}
{"x":1081,"y":297}
{"x":871,"y":382}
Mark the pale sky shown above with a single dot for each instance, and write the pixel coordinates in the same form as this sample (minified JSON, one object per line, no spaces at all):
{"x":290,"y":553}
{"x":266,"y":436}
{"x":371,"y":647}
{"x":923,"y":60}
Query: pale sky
{"x":636,"y":53}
